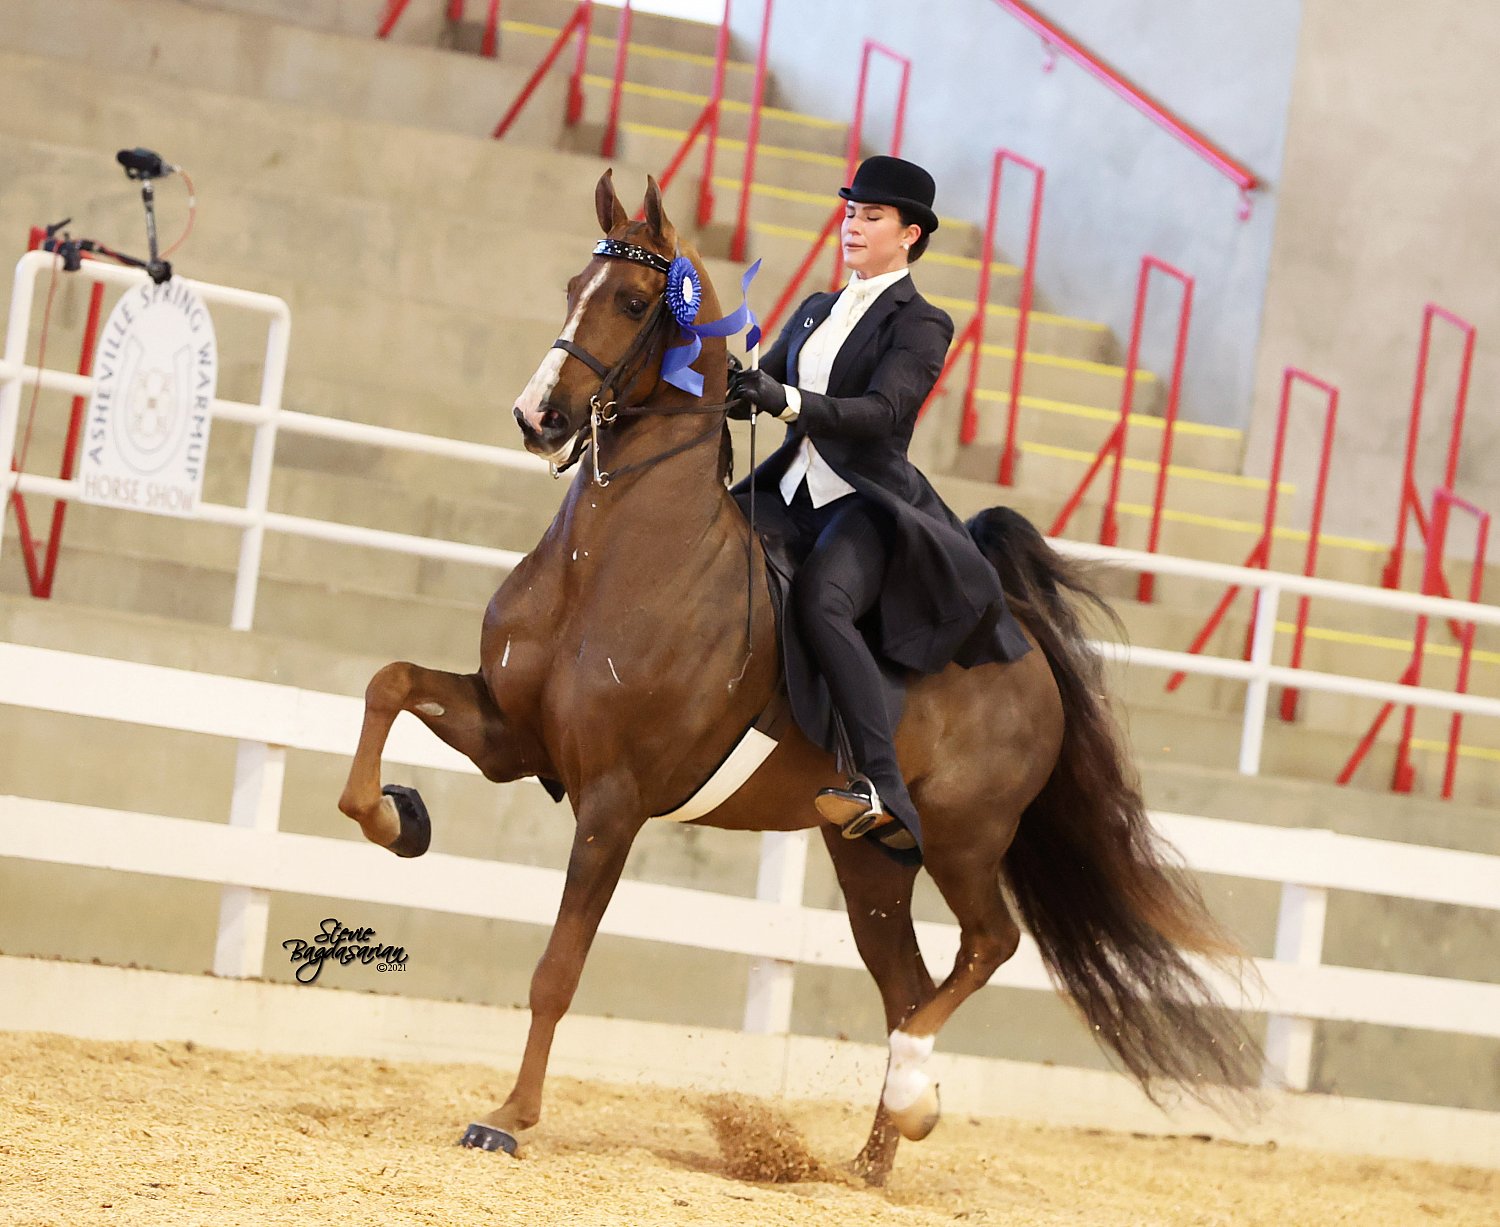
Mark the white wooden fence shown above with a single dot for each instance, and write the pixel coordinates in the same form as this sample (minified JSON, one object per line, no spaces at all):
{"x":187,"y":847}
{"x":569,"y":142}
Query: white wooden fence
{"x":250,"y":858}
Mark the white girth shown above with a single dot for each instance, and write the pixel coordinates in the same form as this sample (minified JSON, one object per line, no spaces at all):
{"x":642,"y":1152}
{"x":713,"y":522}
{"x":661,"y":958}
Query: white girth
{"x":743,"y":761}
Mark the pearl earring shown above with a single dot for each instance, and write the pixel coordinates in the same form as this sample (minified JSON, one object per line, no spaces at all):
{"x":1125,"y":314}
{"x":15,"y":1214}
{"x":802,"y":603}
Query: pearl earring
{"x":905,"y":246}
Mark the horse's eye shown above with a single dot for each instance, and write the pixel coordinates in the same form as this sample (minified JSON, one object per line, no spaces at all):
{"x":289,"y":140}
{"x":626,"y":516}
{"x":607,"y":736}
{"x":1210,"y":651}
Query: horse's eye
{"x":636,"y":307}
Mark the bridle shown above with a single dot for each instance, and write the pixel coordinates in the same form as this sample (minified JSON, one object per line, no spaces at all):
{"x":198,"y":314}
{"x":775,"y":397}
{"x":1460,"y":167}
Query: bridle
{"x":604,"y":411}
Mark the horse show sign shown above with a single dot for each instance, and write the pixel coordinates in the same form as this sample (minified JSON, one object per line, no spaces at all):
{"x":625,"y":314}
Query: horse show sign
{"x":157,"y":369}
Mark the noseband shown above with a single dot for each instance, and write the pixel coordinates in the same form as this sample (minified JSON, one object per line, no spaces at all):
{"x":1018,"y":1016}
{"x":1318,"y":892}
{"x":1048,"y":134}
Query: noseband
{"x":603,"y":410}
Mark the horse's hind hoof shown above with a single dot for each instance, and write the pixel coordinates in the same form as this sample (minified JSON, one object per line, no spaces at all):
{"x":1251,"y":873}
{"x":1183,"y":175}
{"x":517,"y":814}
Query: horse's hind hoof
{"x":920,"y":1118}
{"x":487,"y":1137}
{"x":416,"y":827}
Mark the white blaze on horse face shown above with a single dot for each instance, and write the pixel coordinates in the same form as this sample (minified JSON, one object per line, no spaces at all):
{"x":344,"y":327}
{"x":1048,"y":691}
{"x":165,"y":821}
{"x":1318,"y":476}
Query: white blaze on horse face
{"x":540,"y":386}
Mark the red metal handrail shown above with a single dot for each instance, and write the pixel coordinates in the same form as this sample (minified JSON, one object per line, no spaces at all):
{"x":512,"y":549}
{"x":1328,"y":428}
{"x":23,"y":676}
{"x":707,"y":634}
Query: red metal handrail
{"x":578,"y":23}
{"x":1059,"y":40}
{"x":1114,"y":445}
{"x":1409,"y":504}
{"x":39,"y":577}
{"x":970,"y":423}
{"x":707,"y":121}
{"x":1403,"y":775}
{"x":1260,"y":553}
{"x":857,"y":129}
{"x":740,"y":241}
{"x":489,"y":45}
{"x":851,"y":161}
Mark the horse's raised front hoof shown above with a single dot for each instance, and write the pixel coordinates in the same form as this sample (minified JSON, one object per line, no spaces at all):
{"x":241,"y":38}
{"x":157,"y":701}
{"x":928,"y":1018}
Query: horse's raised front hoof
{"x":416,"y":827}
{"x":921,"y":1118}
{"x":487,"y":1137}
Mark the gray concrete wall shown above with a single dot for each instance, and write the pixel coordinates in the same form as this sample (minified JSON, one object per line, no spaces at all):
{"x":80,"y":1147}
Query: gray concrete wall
{"x":1390,"y":197}
{"x":1117,"y":185}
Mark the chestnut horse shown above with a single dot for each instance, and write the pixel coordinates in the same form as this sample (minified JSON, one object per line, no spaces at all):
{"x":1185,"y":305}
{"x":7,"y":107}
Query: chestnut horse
{"x":614,"y":666}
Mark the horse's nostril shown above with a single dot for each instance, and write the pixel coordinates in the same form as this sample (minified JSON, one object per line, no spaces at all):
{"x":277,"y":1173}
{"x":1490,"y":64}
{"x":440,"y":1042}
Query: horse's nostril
{"x":552,"y":420}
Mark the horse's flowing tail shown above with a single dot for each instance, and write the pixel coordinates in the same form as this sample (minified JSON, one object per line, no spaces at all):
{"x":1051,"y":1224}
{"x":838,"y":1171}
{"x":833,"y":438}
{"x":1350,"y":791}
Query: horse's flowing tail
{"x":1106,"y":900}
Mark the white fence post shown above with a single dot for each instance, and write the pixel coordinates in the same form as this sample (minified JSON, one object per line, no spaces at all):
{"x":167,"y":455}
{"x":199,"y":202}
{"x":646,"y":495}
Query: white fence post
{"x":259,"y":776}
{"x":1258,"y":691}
{"x":783,"y":870}
{"x":262,"y":461}
{"x":1299,"y":940}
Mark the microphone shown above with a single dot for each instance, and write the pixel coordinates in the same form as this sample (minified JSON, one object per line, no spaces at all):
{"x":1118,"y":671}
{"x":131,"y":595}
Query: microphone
{"x":143,"y":164}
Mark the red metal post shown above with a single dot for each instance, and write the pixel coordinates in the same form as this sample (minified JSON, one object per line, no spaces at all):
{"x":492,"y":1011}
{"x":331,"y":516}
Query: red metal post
{"x":1007,"y":474}
{"x":741,"y":239}
{"x":580,"y":62}
{"x":856,"y":130}
{"x":622,"y":53}
{"x":715,"y":106}
{"x":1146,"y":586}
{"x":489,"y":45}
{"x":1315,"y":527}
{"x":392,"y":15}
{"x":1408,"y":502}
{"x":455,"y":11}
{"x":39,"y":577}
{"x":851,"y":161}
{"x":1260,"y":553}
{"x":1443,"y":501}
{"x":970,"y":423}
{"x":1114,"y":445}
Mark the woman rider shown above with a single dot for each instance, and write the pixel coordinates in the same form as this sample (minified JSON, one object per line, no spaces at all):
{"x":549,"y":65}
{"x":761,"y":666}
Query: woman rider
{"x":876,"y":549}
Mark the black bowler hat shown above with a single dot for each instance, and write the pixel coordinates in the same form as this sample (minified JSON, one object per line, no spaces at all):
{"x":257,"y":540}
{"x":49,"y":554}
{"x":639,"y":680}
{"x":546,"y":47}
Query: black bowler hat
{"x":895,"y":181}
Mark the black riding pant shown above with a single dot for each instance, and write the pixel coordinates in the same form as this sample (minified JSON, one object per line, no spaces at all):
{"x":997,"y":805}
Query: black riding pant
{"x":837,"y":583}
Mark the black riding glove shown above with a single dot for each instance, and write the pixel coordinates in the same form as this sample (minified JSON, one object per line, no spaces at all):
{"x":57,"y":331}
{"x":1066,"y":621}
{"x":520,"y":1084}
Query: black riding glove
{"x":755,"y":390}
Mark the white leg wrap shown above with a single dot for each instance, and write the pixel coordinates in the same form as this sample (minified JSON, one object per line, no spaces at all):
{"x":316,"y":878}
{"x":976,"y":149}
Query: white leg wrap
{"x":905,"y":1081}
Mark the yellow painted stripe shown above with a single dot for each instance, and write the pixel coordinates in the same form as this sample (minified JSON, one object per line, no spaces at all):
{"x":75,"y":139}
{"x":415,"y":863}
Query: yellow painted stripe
{"x":1249,"y":527}
{"x":1137,"y":421}
{"x":1389,"y":643}
{"x":1481,"y":752}
{"x":797,"y":195}
{"x":1185,"y":472}
{"x":932,"y":257}
{"x":729,"y":142}
{"x":646,"y":50}
{"x":997,"y":267}
{"x":1071,"y":364}
{"x":701,"y":100}
{"x":1057,"y":321}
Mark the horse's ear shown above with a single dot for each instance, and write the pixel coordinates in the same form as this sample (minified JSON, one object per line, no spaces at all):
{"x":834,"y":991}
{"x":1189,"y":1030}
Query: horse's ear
{"x":656,"y":215}
{"x":607,"y":204}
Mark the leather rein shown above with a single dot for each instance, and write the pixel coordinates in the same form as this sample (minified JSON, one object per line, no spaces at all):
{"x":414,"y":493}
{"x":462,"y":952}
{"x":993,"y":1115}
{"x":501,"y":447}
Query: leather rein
{"x":603,"y":410}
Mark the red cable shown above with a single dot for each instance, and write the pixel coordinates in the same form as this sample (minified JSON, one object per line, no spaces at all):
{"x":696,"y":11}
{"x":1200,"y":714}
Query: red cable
{"x":192,"y":213}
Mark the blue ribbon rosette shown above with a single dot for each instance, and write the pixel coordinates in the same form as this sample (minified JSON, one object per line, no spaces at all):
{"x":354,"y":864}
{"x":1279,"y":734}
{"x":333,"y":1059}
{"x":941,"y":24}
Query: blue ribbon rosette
{"x":684,"y":297}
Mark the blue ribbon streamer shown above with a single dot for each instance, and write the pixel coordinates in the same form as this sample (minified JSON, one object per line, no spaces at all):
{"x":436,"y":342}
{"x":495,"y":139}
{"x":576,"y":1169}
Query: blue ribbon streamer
{"x":676,"y":366}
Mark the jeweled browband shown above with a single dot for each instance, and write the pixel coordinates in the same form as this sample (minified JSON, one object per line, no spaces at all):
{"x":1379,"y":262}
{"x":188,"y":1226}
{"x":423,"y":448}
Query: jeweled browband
{"x":630,"y":251}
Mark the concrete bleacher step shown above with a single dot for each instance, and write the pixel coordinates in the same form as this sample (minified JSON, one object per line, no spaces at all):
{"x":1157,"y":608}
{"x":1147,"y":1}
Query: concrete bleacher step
{"x":424,"y":354}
